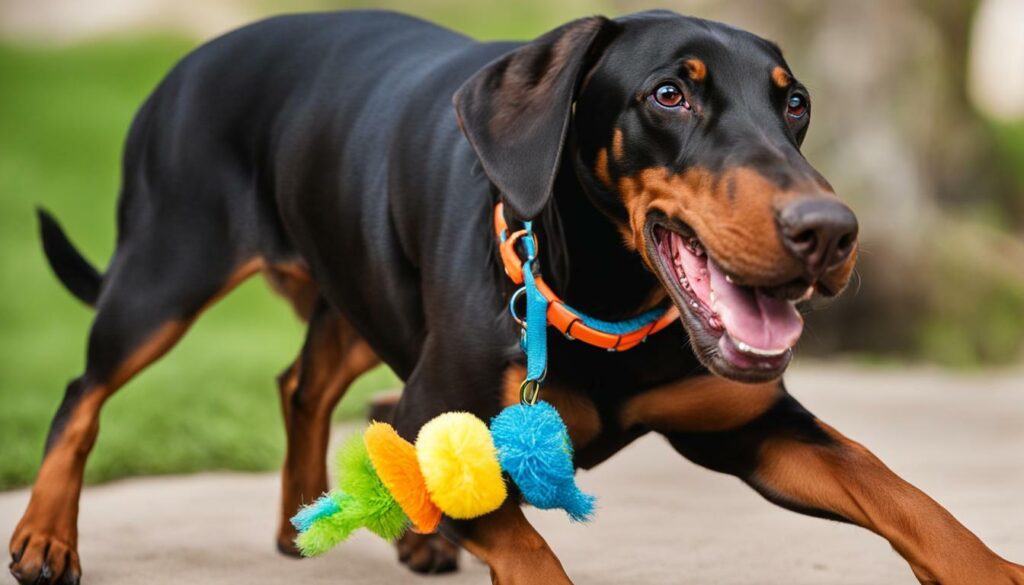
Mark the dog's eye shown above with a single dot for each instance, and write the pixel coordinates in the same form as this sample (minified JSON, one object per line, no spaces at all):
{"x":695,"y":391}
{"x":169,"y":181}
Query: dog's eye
{"x":670,"y":96}
{"x":796,"y":107}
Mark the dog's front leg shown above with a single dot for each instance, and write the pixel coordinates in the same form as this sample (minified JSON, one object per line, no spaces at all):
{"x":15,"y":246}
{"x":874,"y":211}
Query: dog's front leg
{"x":763,"y":436}
{"x":516,"y":553}
{"x":840,"y":477}
{"x":504,"y":539}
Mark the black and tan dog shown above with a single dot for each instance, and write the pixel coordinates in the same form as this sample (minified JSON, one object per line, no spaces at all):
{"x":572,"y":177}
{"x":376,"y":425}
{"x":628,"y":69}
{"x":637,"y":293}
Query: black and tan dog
{"x":661,"y":158}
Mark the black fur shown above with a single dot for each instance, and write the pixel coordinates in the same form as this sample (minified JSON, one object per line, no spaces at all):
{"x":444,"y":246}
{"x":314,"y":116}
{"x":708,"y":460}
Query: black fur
{"x":331,"y":141}
{"x":321,"y":138}
{"x":75,"y":272}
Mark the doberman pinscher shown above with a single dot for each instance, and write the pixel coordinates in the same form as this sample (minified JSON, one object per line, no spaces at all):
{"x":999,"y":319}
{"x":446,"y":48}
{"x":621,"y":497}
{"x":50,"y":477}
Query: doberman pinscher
{"x":658,"y":157}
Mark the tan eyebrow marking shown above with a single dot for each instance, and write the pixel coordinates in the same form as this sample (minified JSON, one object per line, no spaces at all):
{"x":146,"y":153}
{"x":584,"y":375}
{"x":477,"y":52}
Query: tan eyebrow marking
{"x":617,"y":145}
{"x":697,"y":69}
{"x":780,"y":77}
{"x":601,"y":167}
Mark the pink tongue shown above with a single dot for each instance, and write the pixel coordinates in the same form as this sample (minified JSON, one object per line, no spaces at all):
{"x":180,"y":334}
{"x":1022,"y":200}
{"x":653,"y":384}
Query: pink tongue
{"x":752,"y":317}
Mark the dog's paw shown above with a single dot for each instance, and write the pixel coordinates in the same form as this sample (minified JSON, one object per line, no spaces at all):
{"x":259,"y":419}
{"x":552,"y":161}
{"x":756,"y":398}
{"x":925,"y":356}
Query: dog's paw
{"x":428,"y":554}
{"x":288,"y":549}
{"x":286,"y":541}
{"x":40,"y":557}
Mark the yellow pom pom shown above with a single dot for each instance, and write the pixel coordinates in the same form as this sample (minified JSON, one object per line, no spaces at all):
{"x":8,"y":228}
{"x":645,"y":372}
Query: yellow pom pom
{"x":460,"y":465}
{"x":395,"y":461}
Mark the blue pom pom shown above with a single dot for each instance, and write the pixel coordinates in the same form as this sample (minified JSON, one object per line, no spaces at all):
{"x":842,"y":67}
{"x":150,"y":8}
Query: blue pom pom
{"x":324,"y":506}
{"x":535,"y":451}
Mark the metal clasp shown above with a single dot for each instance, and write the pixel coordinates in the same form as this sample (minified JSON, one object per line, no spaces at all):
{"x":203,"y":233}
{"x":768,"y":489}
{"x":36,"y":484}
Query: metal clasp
{"x":529,"y":391}
{"x":512,"y":307}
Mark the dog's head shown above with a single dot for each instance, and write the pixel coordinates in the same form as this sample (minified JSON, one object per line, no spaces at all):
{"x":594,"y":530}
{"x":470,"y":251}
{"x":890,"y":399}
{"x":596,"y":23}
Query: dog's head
{"x":686,"y":134}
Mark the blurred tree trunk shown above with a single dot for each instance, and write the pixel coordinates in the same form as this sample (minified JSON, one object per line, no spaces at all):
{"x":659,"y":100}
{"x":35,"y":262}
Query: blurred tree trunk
{"x":967,"y":163}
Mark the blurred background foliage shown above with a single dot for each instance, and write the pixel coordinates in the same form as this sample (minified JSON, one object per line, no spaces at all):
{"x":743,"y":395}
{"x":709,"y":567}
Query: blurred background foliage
{"x":919,"y":124}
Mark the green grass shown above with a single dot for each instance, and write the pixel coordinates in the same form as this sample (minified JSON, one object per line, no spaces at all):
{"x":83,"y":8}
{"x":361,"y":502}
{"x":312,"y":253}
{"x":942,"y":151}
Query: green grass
{"x":210,"y":404}
{"x":974,"y":309}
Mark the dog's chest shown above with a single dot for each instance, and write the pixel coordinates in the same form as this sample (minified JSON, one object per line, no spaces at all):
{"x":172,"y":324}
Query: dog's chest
{"x":593,"y":420}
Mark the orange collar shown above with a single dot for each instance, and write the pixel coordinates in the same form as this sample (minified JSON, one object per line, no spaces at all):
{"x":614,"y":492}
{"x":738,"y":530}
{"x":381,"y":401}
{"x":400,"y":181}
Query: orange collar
{"x":559,"y":315}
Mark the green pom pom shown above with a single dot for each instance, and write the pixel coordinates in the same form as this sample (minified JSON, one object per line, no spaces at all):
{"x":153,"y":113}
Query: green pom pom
{"x":362,"y":501}
{"x":371,"y":503}
{"x":328,"y":531}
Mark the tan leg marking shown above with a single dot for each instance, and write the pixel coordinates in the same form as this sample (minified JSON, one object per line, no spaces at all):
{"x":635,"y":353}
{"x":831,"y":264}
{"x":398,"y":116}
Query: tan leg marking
{"x":48,"y":530}
{"x":169,"y":333}
{"x":850,"y":481}
{"x":293,"y":281}
{"x":513,"y":549}
{"x":334,"y":356}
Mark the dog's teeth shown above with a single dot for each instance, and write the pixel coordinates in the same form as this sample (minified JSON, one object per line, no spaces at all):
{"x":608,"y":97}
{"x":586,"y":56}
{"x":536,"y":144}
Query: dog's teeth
{"x":695,"y":247}
{"x":729,"y":279}
{"x":758,"y":351}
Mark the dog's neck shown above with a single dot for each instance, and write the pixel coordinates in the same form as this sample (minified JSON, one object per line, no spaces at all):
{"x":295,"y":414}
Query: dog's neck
{"x":604,"y":278}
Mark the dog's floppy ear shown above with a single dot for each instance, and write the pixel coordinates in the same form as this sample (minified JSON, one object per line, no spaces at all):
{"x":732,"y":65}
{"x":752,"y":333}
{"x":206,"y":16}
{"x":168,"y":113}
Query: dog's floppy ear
{"x":516,"y":110}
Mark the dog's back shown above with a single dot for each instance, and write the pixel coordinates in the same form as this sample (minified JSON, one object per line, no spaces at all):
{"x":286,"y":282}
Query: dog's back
{"x":299,"y":141}
{"x":242,"y":124}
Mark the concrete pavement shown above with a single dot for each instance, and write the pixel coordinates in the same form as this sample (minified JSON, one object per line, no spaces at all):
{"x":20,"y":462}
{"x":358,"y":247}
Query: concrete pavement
{"x":661,"y":520}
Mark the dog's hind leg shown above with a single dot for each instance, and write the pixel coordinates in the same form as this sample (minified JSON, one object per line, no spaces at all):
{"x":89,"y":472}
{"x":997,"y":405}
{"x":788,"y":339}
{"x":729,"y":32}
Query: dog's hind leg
{"x":155,"y":288}
{"x":332,"y":357}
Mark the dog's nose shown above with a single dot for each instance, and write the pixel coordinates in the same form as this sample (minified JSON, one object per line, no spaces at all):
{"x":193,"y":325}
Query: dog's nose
{"x":819,"y":232}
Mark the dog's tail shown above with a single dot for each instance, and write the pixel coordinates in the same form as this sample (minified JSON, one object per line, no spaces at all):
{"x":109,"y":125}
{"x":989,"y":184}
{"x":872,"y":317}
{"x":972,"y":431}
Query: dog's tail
{"x":74,"y":271}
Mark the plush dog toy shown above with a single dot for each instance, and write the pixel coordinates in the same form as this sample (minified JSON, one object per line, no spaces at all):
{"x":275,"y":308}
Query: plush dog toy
{"x":388,"y":485}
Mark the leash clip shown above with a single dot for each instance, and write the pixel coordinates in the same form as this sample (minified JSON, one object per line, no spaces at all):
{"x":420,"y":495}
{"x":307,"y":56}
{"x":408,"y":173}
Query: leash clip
{"x":512,"y":307}
{"x":529,"y":391}
{"x":511,"y":259}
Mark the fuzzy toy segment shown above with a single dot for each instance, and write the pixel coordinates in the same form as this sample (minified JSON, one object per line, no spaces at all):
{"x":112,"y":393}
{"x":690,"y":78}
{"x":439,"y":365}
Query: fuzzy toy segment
{"x":371,"y":500}
{"x":395,"y":461}
{"x":460,"y":466}
{"x":535,"y":450}
{"x":325,"y":532}
{"x":455,"y":468}
{"x":325,"y":505}
{"x":362,"y":502}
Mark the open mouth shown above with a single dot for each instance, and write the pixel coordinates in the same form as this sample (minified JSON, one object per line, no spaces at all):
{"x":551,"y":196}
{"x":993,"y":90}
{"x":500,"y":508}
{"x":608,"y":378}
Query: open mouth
{"x":740,"y":332}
